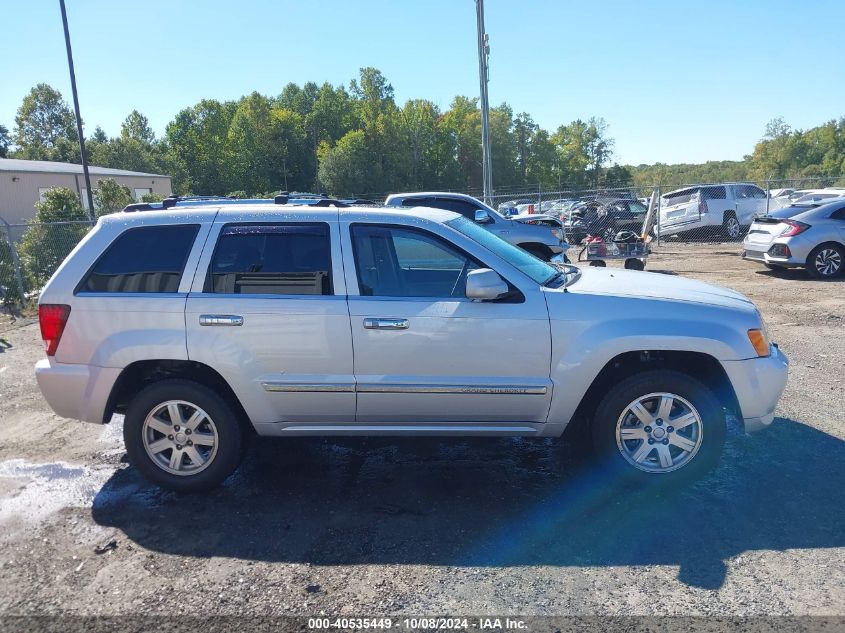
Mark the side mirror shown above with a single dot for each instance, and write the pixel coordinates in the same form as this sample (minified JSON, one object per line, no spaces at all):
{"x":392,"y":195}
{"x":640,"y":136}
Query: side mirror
{"x":482,"y":216}
{"x":485,"y":285}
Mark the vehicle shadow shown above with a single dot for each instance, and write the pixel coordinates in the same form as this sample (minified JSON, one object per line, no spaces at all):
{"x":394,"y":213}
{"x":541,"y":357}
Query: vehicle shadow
{"x":492,"y":503}
{"x":796,"y":273}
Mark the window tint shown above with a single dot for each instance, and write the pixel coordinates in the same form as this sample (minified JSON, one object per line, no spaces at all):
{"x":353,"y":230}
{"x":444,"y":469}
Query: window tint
{"x":680,"y":197}
{"x":839,"y":214}
{"x":713,"y":193}
{"x":143,"y":259}
{"x":418,"y":202}
{"x":400,"y":262}
{"x":277,"y":259}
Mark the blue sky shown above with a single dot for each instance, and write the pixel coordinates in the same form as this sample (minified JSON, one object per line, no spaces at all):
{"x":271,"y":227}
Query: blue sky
{"x":676,"y":81}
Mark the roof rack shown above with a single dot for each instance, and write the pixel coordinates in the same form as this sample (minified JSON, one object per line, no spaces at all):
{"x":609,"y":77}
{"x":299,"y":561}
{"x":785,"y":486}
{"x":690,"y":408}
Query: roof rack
{"x":170,"y":201}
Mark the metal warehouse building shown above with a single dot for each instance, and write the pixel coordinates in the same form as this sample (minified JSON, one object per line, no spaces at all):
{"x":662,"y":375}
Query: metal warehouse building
{"x":23,"y":182}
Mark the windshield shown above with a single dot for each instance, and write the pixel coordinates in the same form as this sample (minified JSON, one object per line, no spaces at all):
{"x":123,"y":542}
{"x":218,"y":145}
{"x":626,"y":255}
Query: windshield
{"x":536,"y":269}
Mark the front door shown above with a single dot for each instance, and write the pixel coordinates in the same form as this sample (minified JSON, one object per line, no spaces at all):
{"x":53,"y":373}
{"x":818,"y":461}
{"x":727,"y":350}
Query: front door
{"x":426,"y":353}
{"x":268,"y":312}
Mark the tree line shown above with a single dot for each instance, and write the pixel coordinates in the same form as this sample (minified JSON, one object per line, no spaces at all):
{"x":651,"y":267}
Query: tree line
{"x":344,"y":140}
{"x":356,"y":140}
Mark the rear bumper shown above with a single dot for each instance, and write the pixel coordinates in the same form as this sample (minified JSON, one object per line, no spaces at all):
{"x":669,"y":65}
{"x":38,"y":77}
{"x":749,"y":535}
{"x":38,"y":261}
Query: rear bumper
{"x":758,"y":384}
{"x":79,"y":392}
{"x":799,"y":248}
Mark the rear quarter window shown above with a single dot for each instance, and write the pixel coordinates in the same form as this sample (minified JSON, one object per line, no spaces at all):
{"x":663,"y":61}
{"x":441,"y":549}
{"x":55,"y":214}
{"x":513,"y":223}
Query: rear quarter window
{"x":147,"y":259}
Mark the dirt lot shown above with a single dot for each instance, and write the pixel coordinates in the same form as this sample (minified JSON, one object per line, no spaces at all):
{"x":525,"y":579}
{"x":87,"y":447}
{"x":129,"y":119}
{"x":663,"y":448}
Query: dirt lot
{"x":413,"y":527}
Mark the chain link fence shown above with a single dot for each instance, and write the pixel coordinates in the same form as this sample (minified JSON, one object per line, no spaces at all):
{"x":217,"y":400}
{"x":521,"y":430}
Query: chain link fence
{"x":30,"y":254}
{"x":713,"y":212}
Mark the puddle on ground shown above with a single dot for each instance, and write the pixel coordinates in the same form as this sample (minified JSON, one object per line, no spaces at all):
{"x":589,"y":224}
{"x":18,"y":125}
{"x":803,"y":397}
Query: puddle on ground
{"x":30,"y":492}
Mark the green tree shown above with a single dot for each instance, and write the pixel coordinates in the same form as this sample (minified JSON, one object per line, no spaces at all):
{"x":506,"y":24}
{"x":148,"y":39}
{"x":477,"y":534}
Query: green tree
{"x":45,"y":244}
{"x":10,"y":292}
{"x":343,"y":167}
{"x":111,"y":196}
{"x":524,"y":130}
{"x":5,"y":141}
{"x":463,"y":125}
{"x":45,"y":128}
{"x":196,"y":142}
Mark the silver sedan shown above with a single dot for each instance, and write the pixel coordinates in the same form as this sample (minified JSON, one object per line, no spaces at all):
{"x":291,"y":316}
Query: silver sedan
{"x":813,"y":239}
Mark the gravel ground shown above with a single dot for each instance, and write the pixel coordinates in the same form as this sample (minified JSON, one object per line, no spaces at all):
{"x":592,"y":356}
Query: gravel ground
{"x":381,"y":527}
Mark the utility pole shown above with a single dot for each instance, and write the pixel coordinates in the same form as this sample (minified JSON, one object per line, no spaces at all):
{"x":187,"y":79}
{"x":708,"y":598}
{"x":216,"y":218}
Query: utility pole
{"x":78,"y":116}
{"x":484,"y":78}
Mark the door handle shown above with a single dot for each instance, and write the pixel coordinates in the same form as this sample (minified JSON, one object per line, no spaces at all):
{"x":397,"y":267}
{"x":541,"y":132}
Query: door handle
{"x":221,"y":319}
{"x":374,"y":323}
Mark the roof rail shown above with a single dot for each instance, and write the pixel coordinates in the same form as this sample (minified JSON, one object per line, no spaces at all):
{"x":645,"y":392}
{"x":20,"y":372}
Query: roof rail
{"x":171,"y":200}
{"x":138,"y":206}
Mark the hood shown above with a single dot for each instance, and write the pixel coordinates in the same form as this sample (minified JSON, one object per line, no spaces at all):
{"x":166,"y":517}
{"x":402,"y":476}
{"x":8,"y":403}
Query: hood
{"x":643,"y":285}
{"x":535,"y":217}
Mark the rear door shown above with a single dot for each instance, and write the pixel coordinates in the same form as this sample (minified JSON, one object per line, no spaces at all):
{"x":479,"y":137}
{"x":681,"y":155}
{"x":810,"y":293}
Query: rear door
{"x":426,"y":353}
{"x":268,"y":312}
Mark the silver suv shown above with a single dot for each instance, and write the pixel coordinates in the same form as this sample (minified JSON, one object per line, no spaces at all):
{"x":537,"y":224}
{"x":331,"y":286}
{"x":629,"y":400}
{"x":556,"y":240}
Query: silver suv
{"x":207,"y":324}
{"x":539,"y":234}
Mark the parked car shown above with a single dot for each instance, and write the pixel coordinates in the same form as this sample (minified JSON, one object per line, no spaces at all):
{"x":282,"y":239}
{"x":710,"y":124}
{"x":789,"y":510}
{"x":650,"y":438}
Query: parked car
{"x":509,"y":207}
{"x":205,"y":324}
{"x":604,"y":218}
{"x":710,"y":208}
{"x":539,"y":234}
{"x":813,"y":239}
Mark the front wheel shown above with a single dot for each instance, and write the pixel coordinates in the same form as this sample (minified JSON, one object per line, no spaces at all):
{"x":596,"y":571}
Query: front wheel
{"x":182,"y":436}
{"x":660,"y":426}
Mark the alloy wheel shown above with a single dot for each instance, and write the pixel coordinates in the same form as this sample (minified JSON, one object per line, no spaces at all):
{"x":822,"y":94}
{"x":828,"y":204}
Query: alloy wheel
{"x":828,"y":262}
{"x":733,"y":227}
{"x":659,"y":432}
{"x":180,"y":438}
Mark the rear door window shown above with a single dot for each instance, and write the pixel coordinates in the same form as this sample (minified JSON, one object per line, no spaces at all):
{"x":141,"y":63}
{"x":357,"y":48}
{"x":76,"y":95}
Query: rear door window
{"x":277,"y":259}
{"x":149,"y":259}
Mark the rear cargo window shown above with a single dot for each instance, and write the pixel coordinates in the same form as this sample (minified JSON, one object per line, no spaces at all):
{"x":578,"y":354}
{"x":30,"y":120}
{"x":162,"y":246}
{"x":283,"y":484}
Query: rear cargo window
{"x":278,"y":259}
{"x":680,"y":197}
{"x":144,"y":259}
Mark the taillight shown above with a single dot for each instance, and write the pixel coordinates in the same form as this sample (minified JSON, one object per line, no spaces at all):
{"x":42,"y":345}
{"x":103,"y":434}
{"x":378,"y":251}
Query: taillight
{"x":52,"y":318}
{"x":795,"y":228}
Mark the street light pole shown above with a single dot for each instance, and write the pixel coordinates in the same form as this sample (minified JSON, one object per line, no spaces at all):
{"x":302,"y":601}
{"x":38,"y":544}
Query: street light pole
{"x":484,"y":78}
{"x":78,"y":116}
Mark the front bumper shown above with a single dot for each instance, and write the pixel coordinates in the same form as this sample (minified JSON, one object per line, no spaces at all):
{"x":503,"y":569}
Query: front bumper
{"x":79,"y":392}
{"x":758,"y":384}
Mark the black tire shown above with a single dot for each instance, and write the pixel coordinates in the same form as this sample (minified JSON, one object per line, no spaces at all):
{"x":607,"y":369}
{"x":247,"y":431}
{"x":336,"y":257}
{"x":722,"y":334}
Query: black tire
{"x":634,"y":264}
{"x":598,"y":262}
{"x":731,"y":228}
{"x":541,"y":251}
{"x":826,"y":261}
{"x":229,"y":439}
{"x":615,"y":403}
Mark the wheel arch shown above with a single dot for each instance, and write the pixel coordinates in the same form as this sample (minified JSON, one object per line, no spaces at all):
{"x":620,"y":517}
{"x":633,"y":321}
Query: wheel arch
{"x":703,"y":367}
{"x":143,"y":373}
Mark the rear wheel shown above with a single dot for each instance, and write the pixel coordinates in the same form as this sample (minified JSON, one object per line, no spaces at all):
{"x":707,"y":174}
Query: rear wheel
{"x":731,"y":227}
{"x":634,"y":264}
{"x":182,"y":436}
{"x":598,"y":262}
{"x":659,"y":426}
{"x":826,"y":261}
